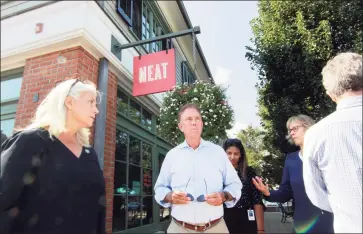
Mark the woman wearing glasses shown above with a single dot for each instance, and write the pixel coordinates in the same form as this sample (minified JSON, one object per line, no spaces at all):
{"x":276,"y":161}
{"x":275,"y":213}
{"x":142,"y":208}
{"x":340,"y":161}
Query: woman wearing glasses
{"x":247,"y":215}
{"x":51,"y":181}
{"x":307,"y":217}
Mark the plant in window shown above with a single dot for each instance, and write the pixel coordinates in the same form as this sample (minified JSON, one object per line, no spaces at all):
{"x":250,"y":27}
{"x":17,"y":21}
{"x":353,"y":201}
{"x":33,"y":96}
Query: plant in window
{"x":217,"y":115}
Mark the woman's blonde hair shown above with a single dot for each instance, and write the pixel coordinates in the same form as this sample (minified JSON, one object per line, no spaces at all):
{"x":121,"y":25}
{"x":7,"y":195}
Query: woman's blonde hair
{"x":51,"y":113}
{"x":305,"y":120}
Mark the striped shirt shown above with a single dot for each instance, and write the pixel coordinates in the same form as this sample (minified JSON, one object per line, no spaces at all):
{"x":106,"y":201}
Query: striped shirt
{"x":333,"y":165}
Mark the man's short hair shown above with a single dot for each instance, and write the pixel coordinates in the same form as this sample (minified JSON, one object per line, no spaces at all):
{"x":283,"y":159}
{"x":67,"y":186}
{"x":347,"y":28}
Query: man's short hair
{"x":343,"y":73}
{"x":188,"y":106}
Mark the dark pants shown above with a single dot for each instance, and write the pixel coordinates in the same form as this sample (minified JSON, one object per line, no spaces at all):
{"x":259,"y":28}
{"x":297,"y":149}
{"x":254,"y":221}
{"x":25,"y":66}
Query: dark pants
{"x":237,"y":221}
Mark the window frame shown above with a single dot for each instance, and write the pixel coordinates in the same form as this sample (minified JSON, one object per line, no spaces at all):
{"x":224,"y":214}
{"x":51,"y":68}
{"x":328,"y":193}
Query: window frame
{"x":154,"y":18}
{"x":188,"y":75}
{"x":140,"y":167}
{"x":123,"y":13}
{"x":150,"y":128}
{"x":9,"y":106}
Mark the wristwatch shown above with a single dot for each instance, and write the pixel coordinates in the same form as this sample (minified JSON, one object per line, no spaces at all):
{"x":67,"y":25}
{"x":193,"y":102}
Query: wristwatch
{"x":226,"y":196}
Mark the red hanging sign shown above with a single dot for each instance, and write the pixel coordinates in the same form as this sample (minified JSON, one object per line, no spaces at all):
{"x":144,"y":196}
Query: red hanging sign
{"x":154,"y":73}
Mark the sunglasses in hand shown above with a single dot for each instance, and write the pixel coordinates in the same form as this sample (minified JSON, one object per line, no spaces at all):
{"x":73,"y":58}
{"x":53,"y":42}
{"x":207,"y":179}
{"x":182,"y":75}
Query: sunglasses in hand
{"x":200,"y":198}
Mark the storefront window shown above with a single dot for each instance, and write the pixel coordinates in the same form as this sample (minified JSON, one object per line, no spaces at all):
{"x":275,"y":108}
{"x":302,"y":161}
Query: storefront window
{"x":146,"y":119}
{"x":121,"y":145}
{"x":122,"y":102}
{"x":133,"y":183}
{"x":119,"y":213}
{"x":129,"y":107}
{"x":147,"y":210}
{"x":134,"y":151}
{"x":158,"y":129}
{"x":135,"y":111}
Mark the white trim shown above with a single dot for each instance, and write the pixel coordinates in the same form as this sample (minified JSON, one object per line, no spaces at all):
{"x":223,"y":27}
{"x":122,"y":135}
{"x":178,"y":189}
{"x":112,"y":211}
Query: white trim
{"x":84,"y":35}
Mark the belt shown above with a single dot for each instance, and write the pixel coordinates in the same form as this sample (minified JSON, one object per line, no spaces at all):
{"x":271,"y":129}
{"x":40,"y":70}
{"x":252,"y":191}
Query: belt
{"x":197,"y":228}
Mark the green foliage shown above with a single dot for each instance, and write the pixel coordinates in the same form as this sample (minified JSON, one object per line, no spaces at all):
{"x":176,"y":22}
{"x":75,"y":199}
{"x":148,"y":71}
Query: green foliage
{"x":217,"y":115}
{"x":252,"y":140}
{"x":292,"y":42}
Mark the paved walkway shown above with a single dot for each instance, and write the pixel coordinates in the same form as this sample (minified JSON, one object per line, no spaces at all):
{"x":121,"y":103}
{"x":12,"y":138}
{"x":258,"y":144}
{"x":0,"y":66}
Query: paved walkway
{"x":273,"y":223}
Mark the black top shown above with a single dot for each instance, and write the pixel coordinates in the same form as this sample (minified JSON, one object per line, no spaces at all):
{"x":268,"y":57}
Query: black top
{"x":250,"y":196}
{"x":45,"y":188}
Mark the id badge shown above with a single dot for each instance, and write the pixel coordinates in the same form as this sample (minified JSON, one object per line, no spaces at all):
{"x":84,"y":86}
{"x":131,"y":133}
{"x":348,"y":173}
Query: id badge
{"x":251,"y":215}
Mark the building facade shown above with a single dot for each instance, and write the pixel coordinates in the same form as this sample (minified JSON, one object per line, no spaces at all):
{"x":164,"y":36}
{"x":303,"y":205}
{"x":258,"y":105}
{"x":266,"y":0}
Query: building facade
{"x":44,"y":42}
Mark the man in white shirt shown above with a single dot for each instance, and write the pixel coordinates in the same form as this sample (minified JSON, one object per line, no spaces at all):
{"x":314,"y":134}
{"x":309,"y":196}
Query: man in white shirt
{"x":333,"y":147}
{"x":196,"y":178}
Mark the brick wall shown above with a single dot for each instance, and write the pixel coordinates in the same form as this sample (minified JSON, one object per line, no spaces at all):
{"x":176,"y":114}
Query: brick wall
{"x":43,"y":72}
{"x":110,"y":147}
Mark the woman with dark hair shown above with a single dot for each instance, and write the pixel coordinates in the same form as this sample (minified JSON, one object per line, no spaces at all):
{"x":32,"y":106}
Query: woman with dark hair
{"x":247,"y":215}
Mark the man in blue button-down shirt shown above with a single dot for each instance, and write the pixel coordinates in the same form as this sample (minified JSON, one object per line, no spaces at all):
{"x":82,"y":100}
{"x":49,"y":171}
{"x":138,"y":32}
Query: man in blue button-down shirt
{"x":196,"y":178}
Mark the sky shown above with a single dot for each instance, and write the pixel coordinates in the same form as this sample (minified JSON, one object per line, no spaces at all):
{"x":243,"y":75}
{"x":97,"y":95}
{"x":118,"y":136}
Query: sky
{"x":225,"y":31}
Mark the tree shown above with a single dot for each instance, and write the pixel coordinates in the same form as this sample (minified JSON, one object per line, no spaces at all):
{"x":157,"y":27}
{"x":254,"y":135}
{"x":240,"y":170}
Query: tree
{"x":252,"y":140}
{"x":217,"y":115}
{"x":292,"y":42}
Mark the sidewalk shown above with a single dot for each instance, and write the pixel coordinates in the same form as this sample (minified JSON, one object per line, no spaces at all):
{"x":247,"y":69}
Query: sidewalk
{"x":273,"y":223}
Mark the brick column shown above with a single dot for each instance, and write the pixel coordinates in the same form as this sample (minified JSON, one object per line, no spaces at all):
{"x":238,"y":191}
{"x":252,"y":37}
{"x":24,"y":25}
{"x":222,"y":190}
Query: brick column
{"x":110,"y":147}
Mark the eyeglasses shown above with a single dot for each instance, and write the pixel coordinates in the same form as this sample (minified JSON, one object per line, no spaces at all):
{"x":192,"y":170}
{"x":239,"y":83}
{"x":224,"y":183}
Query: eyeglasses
{"x":83,"y":80}
{"x":200,"y":198}
{"x":294,"y":129}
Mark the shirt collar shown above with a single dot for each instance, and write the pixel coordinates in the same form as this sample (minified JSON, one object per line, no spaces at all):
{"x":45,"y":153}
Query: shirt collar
{"x":350,"y":102}
{"x":185,"y":144}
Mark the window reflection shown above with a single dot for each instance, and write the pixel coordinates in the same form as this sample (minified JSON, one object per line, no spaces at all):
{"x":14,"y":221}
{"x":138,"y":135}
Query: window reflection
{"x":121,"y":145}
{"x":146,"y":119}
{"x":135,"y":111}
{"x":119,"y":214}
{"x":146,"y":155}
{"x":7,"y":126}
{"x":134,"y":180}
{"x":164,"y":214}
{"x":147,"y":182}
{"x":158,"y":129}
{"x":120,"y":185}
{"x":134,"y":151}
{"x":134,"y":215}
{"x":147,"y":210}
{"x":122,"y":102}
{"x":10,"y":89}
{"x":161,"y":160}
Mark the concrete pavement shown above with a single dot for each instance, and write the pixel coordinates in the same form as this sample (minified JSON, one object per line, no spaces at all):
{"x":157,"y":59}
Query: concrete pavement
{"x":273,"y":223}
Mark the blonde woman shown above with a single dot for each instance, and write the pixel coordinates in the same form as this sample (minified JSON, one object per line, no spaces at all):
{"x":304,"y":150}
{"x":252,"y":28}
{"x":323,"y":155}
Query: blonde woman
{"x":50,"y":178}
{"x":307,"y":217}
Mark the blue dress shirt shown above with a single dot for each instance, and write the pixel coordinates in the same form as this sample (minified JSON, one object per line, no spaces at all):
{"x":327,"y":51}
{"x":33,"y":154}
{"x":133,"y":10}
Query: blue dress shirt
{"x":204,"y":170}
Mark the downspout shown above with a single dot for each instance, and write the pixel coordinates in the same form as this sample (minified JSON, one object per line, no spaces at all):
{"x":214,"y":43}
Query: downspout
{"x":100,"y":126}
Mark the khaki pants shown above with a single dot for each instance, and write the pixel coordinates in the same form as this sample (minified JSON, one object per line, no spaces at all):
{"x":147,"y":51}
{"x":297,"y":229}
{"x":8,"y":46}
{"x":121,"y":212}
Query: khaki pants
{"x":220,"y":227}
